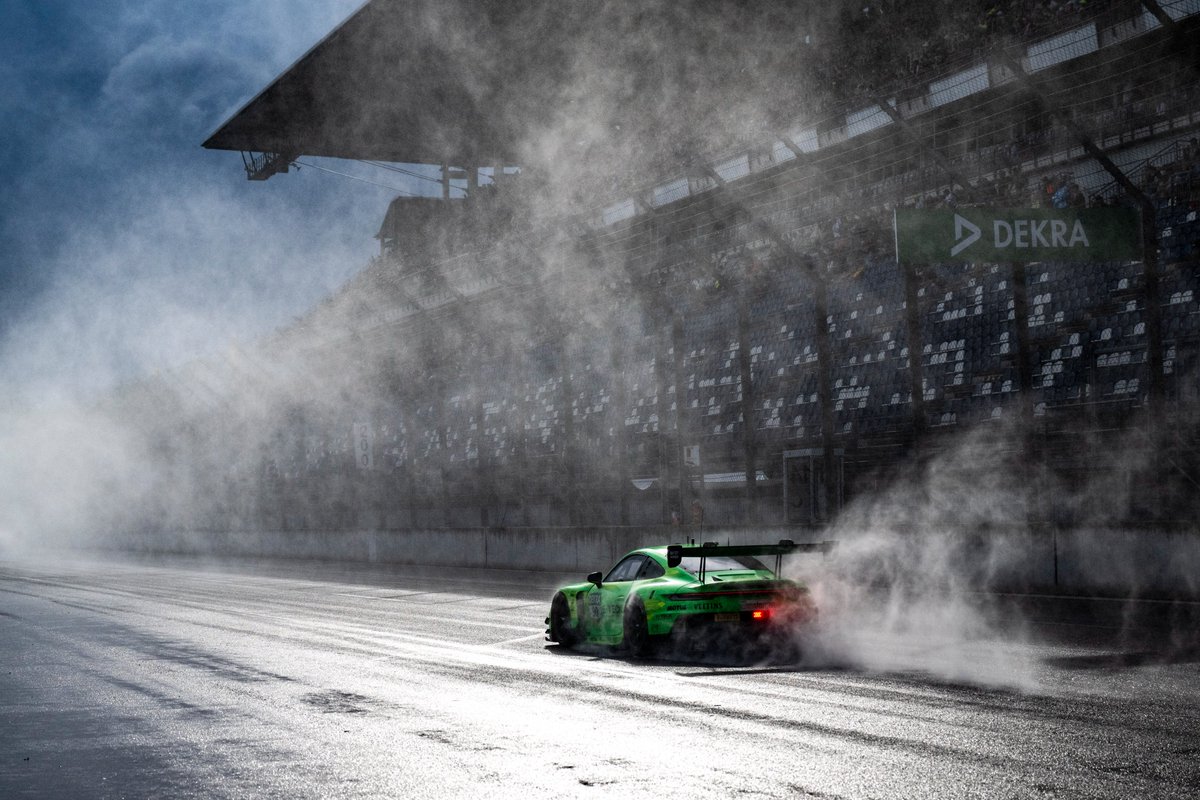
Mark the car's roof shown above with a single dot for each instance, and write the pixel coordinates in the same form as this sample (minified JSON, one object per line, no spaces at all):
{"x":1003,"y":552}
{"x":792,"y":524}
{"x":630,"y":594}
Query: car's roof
{"x":659,"y":552}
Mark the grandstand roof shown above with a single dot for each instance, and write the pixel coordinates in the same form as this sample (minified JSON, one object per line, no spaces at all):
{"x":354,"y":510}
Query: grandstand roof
{"x":473,"y":82}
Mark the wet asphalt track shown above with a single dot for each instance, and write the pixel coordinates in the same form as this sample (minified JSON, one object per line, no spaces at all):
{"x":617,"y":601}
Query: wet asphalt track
{"x":185,"y":680}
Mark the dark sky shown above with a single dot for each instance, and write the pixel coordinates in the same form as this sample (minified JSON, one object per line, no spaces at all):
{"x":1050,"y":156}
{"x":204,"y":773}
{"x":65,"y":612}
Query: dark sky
{"x":126,"y":248}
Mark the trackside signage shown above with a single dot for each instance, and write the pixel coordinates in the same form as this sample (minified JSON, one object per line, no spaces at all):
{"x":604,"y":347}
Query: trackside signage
{"x":1017,"y":234}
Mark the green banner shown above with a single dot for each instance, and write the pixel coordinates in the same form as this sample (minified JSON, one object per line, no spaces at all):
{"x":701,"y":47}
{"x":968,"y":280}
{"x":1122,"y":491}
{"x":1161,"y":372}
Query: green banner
{"x":1017,"y":234}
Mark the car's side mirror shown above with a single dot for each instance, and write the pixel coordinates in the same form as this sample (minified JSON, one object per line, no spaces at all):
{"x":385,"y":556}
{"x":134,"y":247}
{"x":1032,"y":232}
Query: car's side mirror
{"x":596,"y":578}
{"x":674,"y":555}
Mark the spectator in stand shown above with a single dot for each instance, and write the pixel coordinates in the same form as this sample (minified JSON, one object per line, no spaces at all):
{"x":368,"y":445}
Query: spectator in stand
{"x":1075,"y":197}
{"x":1151,"y":177}
{"x":1048,"y":189}
{"x":1061,"y":197}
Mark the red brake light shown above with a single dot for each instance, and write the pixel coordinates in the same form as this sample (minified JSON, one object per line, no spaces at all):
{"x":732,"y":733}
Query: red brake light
{"x":760,"y":614}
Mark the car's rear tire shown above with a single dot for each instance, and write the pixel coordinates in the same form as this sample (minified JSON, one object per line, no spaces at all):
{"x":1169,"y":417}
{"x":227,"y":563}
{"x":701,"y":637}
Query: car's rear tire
{"x":561,"y":629}
{"x":637,"y":631}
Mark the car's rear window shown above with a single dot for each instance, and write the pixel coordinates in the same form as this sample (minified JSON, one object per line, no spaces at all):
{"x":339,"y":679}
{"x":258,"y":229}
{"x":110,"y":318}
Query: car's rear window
{"x":722,"y":564}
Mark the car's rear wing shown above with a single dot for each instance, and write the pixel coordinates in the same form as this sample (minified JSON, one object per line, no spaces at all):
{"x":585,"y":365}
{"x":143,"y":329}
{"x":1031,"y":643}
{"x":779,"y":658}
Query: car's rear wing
{"x":677,"y":552}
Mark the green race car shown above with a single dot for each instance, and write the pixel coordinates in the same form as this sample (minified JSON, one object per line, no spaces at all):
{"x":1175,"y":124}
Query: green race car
{"x":657,"y":592}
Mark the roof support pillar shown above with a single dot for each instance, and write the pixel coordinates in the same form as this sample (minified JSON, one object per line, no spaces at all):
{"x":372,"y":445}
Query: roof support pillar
{"x":940,"y":160}
{"x":824,"y":350}
{"x":1151,"y":299}
{"x":916,"y":344}
{"x":1020,"y":293}
{"x":746,"y":378}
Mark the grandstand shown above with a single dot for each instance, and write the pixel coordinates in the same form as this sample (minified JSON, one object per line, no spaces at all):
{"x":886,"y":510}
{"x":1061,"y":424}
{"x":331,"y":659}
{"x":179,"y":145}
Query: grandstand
{"x":701,"y":316}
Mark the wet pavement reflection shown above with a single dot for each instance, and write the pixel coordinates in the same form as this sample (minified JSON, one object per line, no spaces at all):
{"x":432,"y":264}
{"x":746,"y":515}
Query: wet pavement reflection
{"x":207,"y":679}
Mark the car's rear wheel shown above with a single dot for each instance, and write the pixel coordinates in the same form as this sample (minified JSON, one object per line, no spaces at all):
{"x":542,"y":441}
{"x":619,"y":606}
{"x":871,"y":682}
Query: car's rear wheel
{"x":561,"y":629}
{"x":637,"y":631}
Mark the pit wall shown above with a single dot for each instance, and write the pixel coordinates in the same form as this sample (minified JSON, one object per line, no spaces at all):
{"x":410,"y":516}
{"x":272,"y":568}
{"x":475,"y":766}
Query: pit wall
{"x":1111,"y":563}
{"x":1105,"y":562}
{"x":540,"y":549}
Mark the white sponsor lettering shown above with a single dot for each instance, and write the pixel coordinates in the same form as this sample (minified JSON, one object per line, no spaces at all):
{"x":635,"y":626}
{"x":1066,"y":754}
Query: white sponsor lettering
{"x":1037,"y":232}
{"x":1002,"y":233}
{"x":1024,"y":234}
{"x":962,"y":226}
{"x":1077,"y":235}
{"x":1021,"y":233}
{"x":1058,"y":232}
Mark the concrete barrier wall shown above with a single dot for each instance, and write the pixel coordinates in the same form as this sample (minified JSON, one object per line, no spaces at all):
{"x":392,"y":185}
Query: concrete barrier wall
{"x":1111,"y":562}
{"x":1125,"y":562}
{"x":549,"y":549}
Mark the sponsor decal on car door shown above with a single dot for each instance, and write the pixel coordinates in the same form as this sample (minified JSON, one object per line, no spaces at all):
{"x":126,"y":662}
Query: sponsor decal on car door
{"x":609,"y":602}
